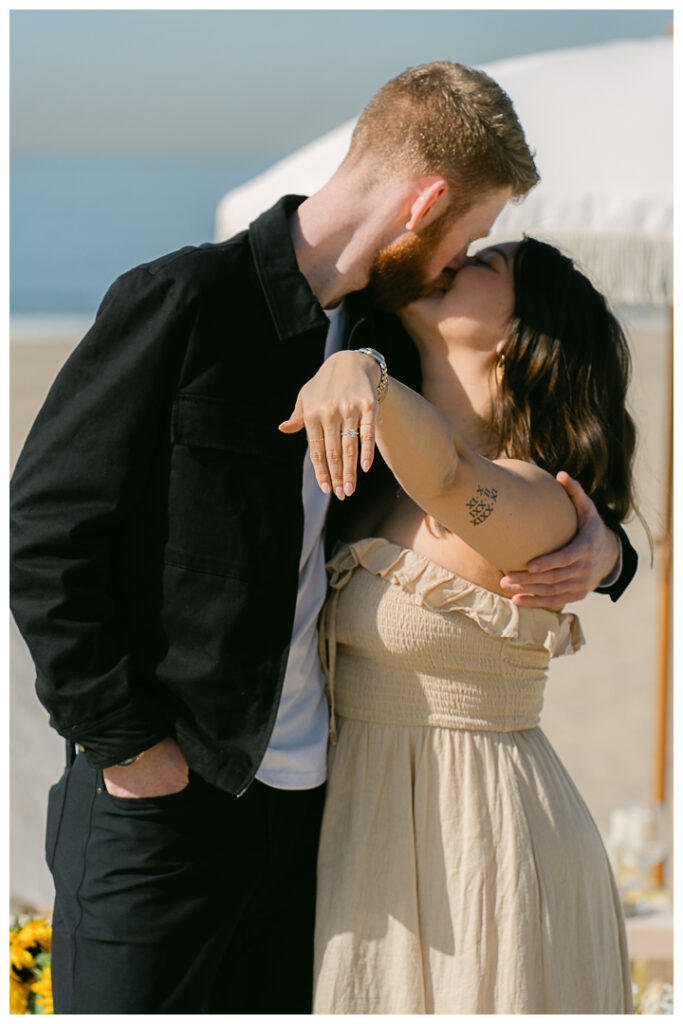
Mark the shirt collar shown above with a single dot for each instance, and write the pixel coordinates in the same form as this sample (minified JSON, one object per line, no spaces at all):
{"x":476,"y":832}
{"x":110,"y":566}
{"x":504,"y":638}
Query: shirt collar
{"x":293,"y":306}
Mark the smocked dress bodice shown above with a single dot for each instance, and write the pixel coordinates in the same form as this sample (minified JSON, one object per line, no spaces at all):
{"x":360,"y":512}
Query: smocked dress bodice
{"x":475,"y":660}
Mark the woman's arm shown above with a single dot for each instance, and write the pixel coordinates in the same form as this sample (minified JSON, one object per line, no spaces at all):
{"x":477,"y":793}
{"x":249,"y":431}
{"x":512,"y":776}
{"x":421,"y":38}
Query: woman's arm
{"x":509,"y":511}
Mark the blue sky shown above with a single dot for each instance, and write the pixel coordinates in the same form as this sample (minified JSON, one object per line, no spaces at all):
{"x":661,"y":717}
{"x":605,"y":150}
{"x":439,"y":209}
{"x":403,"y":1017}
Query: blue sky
{"x":248,"y":82}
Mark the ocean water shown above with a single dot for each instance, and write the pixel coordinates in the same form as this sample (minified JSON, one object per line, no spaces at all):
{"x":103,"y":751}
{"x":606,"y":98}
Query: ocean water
{"x":76,"y":223}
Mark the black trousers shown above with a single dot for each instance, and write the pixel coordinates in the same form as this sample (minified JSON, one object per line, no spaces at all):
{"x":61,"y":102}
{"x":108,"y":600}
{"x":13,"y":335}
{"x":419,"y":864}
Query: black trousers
{"x":198,"y":902}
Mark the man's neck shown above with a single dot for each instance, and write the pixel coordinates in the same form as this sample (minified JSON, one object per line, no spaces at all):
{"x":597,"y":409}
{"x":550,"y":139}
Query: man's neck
{"x":316,"y":254}
{"x":336,"y":234}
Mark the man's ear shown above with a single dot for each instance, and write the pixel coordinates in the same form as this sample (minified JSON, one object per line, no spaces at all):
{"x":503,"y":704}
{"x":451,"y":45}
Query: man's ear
{"x":430,"y":203}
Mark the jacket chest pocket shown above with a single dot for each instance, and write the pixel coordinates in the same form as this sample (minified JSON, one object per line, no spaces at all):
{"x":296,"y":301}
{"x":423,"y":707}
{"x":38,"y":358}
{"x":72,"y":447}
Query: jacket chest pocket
{"x":233,"y":479}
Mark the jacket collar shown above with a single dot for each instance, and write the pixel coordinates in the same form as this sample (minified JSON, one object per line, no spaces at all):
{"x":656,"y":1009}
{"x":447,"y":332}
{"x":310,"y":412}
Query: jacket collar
{"x":293,"y":306}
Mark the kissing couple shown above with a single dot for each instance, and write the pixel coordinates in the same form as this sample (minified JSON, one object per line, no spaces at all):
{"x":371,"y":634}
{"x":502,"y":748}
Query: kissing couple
{"x":292,"y":538}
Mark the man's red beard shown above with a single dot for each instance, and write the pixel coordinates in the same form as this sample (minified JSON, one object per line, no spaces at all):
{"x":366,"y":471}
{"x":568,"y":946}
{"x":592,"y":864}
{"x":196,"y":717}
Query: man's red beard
{"x":398,"y":274}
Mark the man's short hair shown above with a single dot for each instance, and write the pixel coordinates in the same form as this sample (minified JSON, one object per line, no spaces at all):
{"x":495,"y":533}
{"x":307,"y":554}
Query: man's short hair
{"x":448,"y":119}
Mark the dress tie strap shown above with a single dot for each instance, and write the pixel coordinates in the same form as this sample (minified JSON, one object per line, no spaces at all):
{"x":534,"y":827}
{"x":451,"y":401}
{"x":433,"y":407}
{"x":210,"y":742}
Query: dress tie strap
{"x":327,"y":632}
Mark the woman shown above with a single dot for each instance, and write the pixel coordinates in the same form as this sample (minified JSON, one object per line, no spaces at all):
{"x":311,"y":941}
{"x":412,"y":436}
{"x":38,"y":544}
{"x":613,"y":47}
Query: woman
{"x":459,"y":869}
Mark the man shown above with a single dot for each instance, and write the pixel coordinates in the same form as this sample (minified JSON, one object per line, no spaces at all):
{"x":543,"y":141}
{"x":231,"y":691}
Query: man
{"x":168,"y":563}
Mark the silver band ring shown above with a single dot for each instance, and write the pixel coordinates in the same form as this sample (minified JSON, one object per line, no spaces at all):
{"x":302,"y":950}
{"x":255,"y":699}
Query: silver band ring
{"x":349,"y":433}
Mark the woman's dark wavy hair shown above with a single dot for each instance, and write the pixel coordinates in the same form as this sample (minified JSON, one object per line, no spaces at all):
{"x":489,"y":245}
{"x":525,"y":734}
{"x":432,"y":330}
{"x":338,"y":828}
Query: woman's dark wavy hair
{"x":565,"y":374}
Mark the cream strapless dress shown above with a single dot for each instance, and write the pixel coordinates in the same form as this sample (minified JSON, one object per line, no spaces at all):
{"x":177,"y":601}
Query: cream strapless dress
{"x":459,"y":869}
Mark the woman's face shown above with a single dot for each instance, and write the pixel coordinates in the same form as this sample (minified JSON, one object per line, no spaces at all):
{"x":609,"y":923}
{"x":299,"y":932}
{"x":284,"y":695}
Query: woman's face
{"x":475,"y":308}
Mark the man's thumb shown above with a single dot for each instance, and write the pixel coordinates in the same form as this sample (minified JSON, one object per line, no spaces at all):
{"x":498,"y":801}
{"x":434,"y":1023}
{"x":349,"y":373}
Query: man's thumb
{"x":575,"y":491}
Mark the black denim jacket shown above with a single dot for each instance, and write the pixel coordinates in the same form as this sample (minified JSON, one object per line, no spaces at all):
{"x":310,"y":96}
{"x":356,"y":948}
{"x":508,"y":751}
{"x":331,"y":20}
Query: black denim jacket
{"x":156,"y":509}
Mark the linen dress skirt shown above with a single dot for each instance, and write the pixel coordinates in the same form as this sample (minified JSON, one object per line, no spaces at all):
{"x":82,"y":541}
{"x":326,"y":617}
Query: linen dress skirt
{"x":459,"y":869}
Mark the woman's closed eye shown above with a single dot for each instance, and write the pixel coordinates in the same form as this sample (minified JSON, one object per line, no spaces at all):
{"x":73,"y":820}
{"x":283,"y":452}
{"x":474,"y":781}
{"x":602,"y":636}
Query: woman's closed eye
{"x":493,"y":258}
{"x":479,"y":262}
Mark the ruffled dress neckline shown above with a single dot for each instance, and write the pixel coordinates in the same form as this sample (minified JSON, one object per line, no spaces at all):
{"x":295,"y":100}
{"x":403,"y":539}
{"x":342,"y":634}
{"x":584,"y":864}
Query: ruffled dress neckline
{"x":429,"y":584}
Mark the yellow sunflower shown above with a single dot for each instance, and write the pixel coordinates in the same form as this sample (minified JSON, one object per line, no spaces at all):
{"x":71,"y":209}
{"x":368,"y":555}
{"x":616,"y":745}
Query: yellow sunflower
{"x":18,"y":996}
{"x":20,"y":958}
{"x":35,"y":933}
{"x":43,"y":992}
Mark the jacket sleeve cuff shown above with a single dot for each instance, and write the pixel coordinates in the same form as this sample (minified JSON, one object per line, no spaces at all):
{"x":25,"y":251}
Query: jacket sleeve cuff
{"x":119,"y":736}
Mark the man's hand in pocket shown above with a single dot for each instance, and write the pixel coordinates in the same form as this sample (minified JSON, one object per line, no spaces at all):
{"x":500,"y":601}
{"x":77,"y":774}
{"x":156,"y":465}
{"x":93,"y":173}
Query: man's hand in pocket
{"x":161,"y":771}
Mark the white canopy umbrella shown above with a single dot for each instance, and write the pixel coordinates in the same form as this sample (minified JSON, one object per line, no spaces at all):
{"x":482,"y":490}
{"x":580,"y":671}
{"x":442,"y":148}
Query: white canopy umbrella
{"x":600,"y":119}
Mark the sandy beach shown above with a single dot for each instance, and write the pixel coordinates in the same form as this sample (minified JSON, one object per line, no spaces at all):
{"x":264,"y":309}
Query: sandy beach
{"x":600,"y":702}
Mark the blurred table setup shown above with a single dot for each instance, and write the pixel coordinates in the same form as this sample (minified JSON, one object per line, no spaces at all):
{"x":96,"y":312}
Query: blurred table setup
{"x":638,"y":842}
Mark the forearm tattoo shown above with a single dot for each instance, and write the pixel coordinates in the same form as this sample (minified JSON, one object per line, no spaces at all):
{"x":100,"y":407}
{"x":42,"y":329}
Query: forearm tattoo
{"x":482,"y":504}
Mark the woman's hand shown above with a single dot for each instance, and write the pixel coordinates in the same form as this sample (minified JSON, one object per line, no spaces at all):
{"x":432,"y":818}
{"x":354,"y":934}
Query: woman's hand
{"x":340,"y":399}
{"x":571,"y":573}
